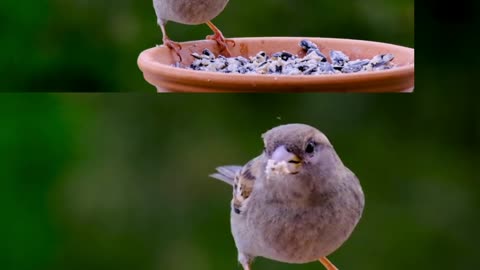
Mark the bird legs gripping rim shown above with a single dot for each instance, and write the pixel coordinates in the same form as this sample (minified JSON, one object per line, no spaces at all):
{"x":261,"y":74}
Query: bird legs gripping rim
{"x":171,"y":44}
{"x":220,"y":39}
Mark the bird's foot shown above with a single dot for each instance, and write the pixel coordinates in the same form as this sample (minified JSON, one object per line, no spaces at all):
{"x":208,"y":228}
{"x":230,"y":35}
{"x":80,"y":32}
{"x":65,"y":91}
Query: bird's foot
{"x":173,"y":46}
{"x":327,"y":263}
{"x":220,"y":39}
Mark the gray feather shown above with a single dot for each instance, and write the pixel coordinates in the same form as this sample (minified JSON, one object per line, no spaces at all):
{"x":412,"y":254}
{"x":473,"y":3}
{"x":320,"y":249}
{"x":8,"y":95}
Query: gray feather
{"x":226,"y":173}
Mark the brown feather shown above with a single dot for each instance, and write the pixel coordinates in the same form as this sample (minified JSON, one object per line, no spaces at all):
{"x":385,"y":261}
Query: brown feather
{"x":243,"y":187}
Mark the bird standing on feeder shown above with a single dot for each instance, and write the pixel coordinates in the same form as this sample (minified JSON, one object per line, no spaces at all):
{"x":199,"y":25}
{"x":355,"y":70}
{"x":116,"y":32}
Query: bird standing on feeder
{"x":190,"y":12}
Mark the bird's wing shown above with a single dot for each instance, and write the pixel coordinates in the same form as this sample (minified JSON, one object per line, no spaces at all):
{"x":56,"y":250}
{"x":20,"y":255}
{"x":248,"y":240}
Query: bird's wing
{"x":242,"y":180}
{"x":227,"y":173}
{"x":243,"y":187}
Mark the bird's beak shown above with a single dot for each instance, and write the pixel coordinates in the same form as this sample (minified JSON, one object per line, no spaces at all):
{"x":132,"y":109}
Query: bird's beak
{"x":283,"y":161}
{"x":281,"y":154}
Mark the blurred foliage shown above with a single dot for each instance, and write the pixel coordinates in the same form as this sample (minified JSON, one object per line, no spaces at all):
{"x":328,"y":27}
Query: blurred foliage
{"x":121,"y":181}
{"x":81,"y":45}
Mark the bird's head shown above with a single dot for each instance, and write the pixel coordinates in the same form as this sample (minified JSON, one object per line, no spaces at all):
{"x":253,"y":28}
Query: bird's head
{"x":296,"y":149}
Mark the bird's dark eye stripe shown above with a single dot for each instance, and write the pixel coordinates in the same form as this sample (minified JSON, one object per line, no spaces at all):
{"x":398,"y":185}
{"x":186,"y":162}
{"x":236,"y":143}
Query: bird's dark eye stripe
{"x":294,"y":161}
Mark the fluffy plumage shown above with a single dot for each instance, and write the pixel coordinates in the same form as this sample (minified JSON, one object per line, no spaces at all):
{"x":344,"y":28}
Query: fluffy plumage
{"x":190,"y":12}
{"x":294,"y":203}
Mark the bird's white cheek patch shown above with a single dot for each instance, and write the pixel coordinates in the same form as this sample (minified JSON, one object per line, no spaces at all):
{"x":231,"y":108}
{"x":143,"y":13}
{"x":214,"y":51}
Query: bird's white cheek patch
{"x":276,"y":168}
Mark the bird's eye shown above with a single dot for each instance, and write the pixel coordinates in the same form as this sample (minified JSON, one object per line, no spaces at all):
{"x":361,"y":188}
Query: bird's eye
{"x":310,"y":148}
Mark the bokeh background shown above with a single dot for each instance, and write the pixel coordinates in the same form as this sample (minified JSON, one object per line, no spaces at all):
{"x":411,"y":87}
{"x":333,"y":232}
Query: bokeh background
{"x":81,"y":45}
{"x":121,"y":181}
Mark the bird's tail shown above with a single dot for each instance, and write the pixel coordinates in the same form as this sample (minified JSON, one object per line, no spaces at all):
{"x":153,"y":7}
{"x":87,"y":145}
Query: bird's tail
{"x":226,"y":173}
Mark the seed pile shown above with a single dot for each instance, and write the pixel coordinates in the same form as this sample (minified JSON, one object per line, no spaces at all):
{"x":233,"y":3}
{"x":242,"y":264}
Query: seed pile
{"x":313,"y":63}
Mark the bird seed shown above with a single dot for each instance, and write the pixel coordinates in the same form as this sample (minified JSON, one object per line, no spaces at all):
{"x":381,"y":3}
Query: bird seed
{"x":284,"y":63}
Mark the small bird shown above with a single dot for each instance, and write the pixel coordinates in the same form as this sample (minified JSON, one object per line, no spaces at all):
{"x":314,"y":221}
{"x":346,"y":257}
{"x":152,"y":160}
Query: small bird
{"x":294,"y":203}
{"x":191,"y":12}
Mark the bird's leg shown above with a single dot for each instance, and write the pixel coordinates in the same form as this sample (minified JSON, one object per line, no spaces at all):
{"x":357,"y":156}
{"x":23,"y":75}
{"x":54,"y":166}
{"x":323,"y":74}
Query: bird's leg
{"x":169,"y":43}
{"x":220,"y":39}
{"x":327,"y":263}
{"x":245,"y":260}
{"x":246,"y":266}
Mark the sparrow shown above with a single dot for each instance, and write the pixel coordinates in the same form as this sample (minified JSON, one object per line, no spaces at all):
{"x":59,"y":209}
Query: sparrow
{"x":294,"y":203}
{"x":190,"y":12}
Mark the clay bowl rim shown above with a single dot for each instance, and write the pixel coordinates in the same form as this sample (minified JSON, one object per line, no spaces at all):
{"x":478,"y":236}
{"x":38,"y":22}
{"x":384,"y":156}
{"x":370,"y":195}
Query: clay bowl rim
{"x":146,"y":61}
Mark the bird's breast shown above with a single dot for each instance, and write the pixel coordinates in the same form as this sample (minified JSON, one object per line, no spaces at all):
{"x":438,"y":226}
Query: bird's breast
{"x":189,"y":11}
{"x":298,"y":233}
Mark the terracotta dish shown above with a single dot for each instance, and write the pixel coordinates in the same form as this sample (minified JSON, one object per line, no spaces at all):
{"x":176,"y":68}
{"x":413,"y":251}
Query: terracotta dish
{"x":157,"y":65}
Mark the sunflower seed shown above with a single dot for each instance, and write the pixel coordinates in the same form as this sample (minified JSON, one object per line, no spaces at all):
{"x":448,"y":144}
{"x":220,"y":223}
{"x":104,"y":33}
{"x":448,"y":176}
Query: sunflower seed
{"x":313,"y":63}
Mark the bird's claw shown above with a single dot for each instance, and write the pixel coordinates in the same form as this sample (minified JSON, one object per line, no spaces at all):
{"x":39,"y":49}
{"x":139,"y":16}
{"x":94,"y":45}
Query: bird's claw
{"x":231,"y":41}
{"x":173,"y":46}
{"x":218,"y":37}
{"x":222,"y":43}
{"x":221,"y":40}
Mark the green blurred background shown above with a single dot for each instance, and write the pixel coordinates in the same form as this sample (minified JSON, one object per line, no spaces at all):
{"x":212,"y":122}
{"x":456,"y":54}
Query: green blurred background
{"x":80,"y":45}
{"x":121,"y":181}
